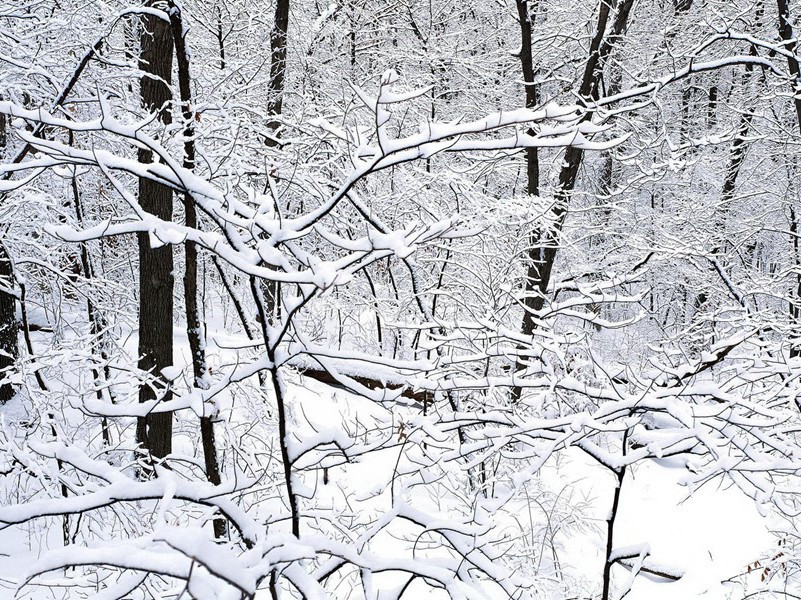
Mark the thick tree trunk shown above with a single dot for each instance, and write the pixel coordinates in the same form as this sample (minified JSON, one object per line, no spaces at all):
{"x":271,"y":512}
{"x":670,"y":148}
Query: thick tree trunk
{"x":154,"y":432}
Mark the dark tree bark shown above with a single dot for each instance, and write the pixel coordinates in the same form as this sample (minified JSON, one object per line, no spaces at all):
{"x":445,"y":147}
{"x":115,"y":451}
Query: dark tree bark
{"x":620,"y":474}
{"x":795,"y":304}
{"x":787,"y":36}
{"x":275,"y":106}
{"x":154,"y":432}
{"x":526,"y":19}
{"x":712,"y":111}
{"x":194,"y":329}
{"x":220,"y":38}
{"x":9,"y":339}
{"x":545,"y":242}
{"x":97,"y":323}
{"x":682,"y":6}
{"x":278,"y":39}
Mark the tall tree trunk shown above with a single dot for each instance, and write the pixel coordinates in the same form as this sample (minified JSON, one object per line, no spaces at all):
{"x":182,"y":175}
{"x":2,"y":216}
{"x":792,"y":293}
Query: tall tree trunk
{"x":9,"y":330}
{"x":154,"y":432}
{"x":220,"y":38}
{"x":278,"y":41}
{"x":97,"y":323}
{"x":275,"y":106}
{"x":546,"y":241}
{"x":788,"y":39}
{"x":543,"y":243}
{"x":9,"y":338}
{"x":526,"y":16}
{"x":194,"y":329}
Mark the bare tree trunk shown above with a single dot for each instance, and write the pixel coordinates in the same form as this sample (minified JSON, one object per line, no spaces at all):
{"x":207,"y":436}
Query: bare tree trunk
{"x":532,"y":156}
{"x":9,"y":330}
{"x":283,"y":432}
{"x":154,"y":432}
{"x":275,"y":106}
{"x":545,"y":242}
{"x":526,"y":16}
{"x":97,"y":324}
{"x":278,"y":41}
{"x":620,"y":474}
{"x":220,"y":38}
{"x":194,"y":329}
{"x":788,"y":39}
{"x":795,"y":307}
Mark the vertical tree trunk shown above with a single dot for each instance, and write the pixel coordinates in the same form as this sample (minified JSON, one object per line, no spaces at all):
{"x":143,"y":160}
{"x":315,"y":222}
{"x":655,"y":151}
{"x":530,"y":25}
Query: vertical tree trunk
{"x":620,"y":474}
{"x":275,"y":106}
{"x":543,"y":243}
{"x":9,"y":331}
{"x":220,"y":38}
{"x":526,"y":17}
{"x":154,"y":432}
{"x":795,"y":303}
{"x":278,"y":40}
{"x":532,"y":156}
{"x":352,"y":37}
{"x":194,"y":329}
{"x":787,"y":37}
{"x":97,"y":323}
{"x":712,"y":111}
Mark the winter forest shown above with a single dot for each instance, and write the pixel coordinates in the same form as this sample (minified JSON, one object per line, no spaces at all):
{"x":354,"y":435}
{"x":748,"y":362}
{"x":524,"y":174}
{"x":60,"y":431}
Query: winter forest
{"x":380,"y":300}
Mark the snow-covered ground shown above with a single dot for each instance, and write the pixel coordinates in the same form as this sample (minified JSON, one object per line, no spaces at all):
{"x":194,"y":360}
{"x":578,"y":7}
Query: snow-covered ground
{"x":711,"y":535}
